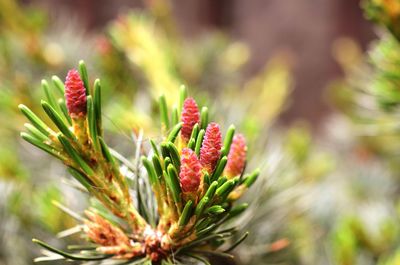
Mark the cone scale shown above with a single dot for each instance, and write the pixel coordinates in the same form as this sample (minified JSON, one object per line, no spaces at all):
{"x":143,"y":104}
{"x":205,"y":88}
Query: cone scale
{"x":236,"y":156}
{"x":211,"y":147}
{"x":190,"y":174}
{"x":75,"y":94}
{"x":190,"y":116}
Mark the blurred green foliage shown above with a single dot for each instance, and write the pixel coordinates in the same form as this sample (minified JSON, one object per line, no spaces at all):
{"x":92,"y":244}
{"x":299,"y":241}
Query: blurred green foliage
{"x":384,"y":12}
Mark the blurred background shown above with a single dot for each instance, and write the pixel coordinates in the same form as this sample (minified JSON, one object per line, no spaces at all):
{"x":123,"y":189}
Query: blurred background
{"x":304,"y":30}
{"x":314,"y":86}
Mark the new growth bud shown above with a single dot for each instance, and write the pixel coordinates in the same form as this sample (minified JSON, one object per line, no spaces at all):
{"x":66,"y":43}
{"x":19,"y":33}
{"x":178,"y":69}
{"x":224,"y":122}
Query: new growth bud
{"x":236,"y":156}
{"x":190,"y":173}
{"x":75,"y":93}
{"x":190,"y":116}
{"x":211,"y":147}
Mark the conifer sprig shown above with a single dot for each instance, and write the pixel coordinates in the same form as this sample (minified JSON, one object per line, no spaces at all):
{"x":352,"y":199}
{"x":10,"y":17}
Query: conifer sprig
{"x":194,"y":175}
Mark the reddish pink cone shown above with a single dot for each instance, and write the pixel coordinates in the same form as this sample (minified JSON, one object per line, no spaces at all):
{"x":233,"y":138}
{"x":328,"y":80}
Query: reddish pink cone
{"x":190,"y":116}
{"x":75,"y":93}
{"x":236,"y":156}
{"x":211,"y":147}
{"x":190,"y":173}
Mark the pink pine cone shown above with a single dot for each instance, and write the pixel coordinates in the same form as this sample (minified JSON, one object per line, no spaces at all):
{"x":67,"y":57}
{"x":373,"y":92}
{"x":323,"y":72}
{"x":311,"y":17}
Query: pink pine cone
{"x":75,"y":93}
{"x":190,"y":116}
{"x":190,"y":172}
{"x":211,"y":147}
{"x":236,"y":156}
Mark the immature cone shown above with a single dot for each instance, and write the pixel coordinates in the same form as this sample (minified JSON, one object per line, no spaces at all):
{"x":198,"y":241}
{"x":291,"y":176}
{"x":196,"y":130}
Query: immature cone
{"x":75,"y":94}
{"x":211,"y":147}
{"x":236,"y":156}
{"x":190,"y":116}
{"x":190,"y":173}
